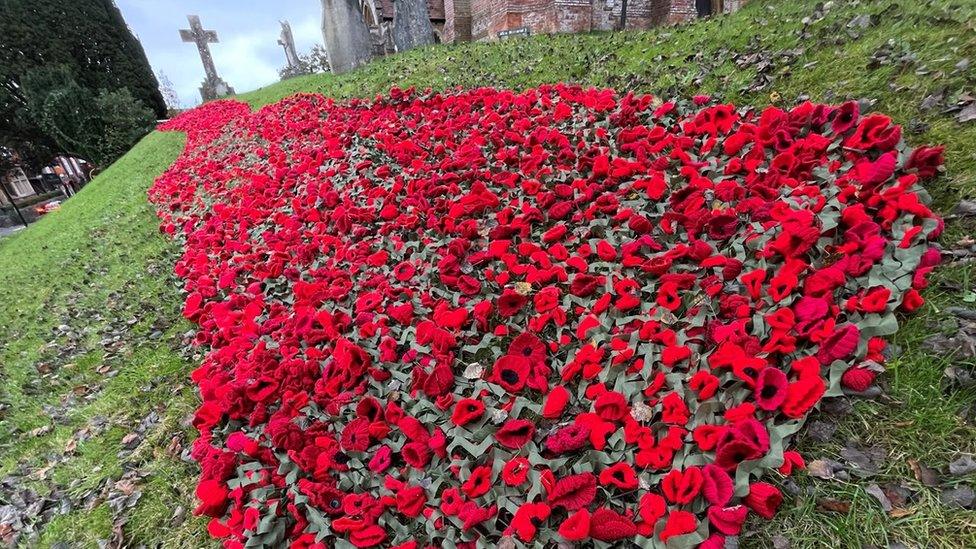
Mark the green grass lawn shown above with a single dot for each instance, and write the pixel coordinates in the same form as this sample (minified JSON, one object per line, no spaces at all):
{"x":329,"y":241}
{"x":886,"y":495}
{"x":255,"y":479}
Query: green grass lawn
{"x":94,"y":393}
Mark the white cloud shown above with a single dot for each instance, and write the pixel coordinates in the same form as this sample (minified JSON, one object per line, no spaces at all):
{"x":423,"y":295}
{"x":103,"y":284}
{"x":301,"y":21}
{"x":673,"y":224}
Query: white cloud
{"x":247,"y":55}
{"x":249,"y":61}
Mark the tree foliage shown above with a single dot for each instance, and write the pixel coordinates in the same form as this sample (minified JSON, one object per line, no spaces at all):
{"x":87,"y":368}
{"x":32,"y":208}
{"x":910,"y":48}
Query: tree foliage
{"x":99,"y":125}
{"x":314,"y":61}
{"x":49,"y":40}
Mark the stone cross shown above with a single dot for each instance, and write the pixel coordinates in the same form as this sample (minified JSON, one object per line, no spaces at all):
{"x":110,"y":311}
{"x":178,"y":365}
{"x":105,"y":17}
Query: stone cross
{"x":213,"y":87}
{"x":287,"y":41}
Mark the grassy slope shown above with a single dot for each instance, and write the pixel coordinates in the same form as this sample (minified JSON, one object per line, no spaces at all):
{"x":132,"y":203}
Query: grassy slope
{"x":95,"y":272}
{"x":108,"y":229}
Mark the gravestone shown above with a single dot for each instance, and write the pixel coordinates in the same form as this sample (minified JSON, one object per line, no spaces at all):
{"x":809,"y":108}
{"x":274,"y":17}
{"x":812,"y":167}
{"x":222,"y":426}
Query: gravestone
{"x":411,"y":24}
{"x":213,"y":87}
{"x":346,"y":37}
{"x":287,"y":41}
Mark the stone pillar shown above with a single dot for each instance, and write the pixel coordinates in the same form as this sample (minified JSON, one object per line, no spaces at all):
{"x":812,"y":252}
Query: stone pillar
{"x":345,"y":34}
{"x":457,"y":24}
{"x":411,"y":24}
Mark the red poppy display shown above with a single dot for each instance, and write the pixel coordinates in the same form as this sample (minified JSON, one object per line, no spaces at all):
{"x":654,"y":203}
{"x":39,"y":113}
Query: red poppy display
{"x":559,"y":315}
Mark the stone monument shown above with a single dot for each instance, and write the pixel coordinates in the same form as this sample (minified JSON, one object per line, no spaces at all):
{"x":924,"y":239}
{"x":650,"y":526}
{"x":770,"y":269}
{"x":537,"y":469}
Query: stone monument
{"x":411,"y":24}
{"x":213,"y":87}
{"x":287,"y":41}
{"x":346,"y":37}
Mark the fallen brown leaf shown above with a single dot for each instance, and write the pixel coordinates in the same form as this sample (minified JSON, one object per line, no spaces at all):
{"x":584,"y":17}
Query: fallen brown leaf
{"x":928,"y":477}
{"x":834,"y":506}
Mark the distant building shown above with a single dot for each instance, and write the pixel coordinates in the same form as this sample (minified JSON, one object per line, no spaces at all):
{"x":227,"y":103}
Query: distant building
{"x":17,"y":185}
{"x":24,"y":189}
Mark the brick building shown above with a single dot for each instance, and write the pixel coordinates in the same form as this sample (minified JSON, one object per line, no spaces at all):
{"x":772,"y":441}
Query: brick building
{"x":492,"y":19}
{"x":466,"y":20}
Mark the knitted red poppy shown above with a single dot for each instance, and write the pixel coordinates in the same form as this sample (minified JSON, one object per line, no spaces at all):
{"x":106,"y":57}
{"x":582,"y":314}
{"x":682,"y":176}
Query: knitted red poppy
{"x":408,"y":295}
{"x":478,"y":483}
{"x":511,"y":372}
{"x":727,"y":520}
{"x":619,"y":475}
{"x":771,"y":387}
{"x":681,"y":487}
{"x":515,"y":433}
{"x":858,"y":379}
{"x":527,"y":518}
{"x":410,"y":500}
{"x":213,"y":498}
{"x":764,"y":499}
{"x":370,"y":536}
{"x":569,"y":438}
{"x":652,"y":507}
{"x":679,"y":523}
{"x":516,"y":471}
{"x":467,"y":410}
{"x":576,"y":527}
{"x":607,"y":525}
{"x":717,"y":485}
{"x":573,"y":492}
{"x":556,"y":402}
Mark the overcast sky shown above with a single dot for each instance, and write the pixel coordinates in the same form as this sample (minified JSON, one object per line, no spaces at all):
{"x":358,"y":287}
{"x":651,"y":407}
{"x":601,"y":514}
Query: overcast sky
{"x":248,"y":55}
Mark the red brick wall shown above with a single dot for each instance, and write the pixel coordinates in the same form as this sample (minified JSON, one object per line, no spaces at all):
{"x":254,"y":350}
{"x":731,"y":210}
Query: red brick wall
{"x":457,"y":21}
{"x":435,"y":7}
{"x":573,"y":15}
{"x":489,"y":17}
{"x":682,"y":10}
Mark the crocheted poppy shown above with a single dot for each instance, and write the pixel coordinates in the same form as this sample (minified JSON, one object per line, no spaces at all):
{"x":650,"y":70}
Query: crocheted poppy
{"x":511,"y":372}
{"x":467,"y":410}
{"x":568,"y":439}
{"x":528,"y":346}
{"x":771,"y":387}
